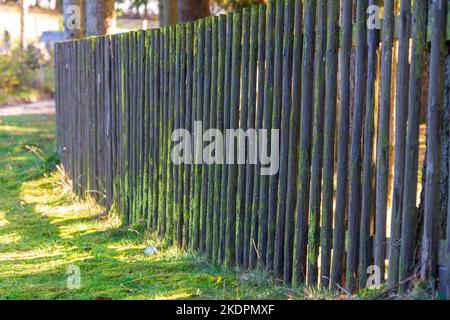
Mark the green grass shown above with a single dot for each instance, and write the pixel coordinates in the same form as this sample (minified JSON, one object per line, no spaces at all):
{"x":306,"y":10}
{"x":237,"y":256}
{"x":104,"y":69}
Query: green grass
{"x":44,"y":229}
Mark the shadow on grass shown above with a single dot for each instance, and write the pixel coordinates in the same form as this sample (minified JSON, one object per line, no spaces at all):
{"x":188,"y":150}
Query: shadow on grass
{"x":44,"y":230}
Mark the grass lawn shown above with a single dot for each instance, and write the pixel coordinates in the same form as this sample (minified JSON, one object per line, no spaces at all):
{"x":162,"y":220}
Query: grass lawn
{"x":45,"y":229}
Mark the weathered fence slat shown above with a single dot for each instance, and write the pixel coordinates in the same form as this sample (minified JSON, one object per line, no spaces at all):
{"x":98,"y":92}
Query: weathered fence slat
{"x":342,"y":166}
{"x":170,"y":126}
{"x":212,"y":196}
{"x":430,"y":248}
{"x":219,"y":171}
{"x":294,"y":131}
{"x":233,"y":170}
{"x":304,"y":171}
{"x":254,"y":237}
{"x":331,"y":67}
{"x":447,"y":248}
{"x":317,"y":145}
{"x":226,"y":125}
{"x":155,"y":150}
{"x":179,"y":123}
{"x":263,"y":209}
{"x":147,"y":132}
{"x":164,"y":126}
{"x":286,"y":101}
{"x":354,"y":187}
{"x":367,"y":171}
{"x":383,"y":138}
{"x":193,"y":207}
{"x":276,"y":119}
{"x":188,"y":126}
{"x":251,"y":108}
{"x":400,"y":138}
{"x":204,"y":104}
{"x":199,"y":50}
{"x":243,"y":125}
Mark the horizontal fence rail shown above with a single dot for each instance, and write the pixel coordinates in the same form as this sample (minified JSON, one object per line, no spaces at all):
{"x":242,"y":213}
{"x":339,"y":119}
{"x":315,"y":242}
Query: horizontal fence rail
{"x":341,"y":207}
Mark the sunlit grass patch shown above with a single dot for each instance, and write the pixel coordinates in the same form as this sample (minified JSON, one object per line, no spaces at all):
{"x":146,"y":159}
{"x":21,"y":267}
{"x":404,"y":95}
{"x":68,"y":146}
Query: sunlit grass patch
{"x":12,"y":131}
{"x":3,"y":221}
{"x":45,"y":229}
{"x":9,"y":238}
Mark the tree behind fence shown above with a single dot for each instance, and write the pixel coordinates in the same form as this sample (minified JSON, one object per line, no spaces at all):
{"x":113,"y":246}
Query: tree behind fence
{"x":310,"y":68}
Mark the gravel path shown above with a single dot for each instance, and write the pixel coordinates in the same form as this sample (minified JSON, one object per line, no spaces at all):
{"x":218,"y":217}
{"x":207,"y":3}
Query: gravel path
{"x":43,"y":107}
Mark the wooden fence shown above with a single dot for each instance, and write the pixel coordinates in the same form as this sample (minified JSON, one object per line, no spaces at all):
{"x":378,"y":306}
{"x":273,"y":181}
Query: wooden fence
{"x":310,"y":68}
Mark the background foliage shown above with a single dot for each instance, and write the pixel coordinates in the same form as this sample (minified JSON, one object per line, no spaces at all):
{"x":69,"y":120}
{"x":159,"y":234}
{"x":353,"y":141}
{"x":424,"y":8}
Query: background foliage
{"x":25,"y":75}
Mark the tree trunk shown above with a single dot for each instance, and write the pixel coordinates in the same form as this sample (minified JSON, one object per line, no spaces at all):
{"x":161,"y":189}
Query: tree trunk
{"x":168,"y":12}
{"x":190,"y":10}
{"x":23,"y":12}
{"x":146,"y":11}
{"x":442,"y":215}
{"x":73,"y":18}
{"x":100,"y":15}
{"x":445,"y":171}
{"x":59,"y":5}
{"x":445,"y":143}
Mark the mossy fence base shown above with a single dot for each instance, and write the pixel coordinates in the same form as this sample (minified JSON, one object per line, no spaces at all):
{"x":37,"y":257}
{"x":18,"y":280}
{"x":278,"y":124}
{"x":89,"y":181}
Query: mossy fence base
{"x":309,"y":68}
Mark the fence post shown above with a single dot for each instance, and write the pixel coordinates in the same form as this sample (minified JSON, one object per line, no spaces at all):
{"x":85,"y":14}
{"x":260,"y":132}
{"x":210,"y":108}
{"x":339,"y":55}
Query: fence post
{"x":226,"y":125}
{"x":331,"y":67}
{"x":342,"y":167}
{"x":354,"y":187}
{"x":409,"y":211}
{"x":250,"y":173}
{"x":317,"y":145}
{"x":286,"y":101}
{"x":205,"y":105}
{"x":400,"y":139}
{"x":267,"y":117}
{"x":212,"y":176}
{"x":276,"y":119}
{"x":219,"y":171}
{"x":383,"y":138}
{"x":233,"y":170}
{"x":430,"y":239}
{"x":241,"y":193}
{"x":254,"y":237}
{"x":304,"y":175}
{"x":188,"y":126}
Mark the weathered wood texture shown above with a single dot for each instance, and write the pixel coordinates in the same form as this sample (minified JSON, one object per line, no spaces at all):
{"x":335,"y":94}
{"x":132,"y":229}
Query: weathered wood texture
{"x":322,"y":218}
